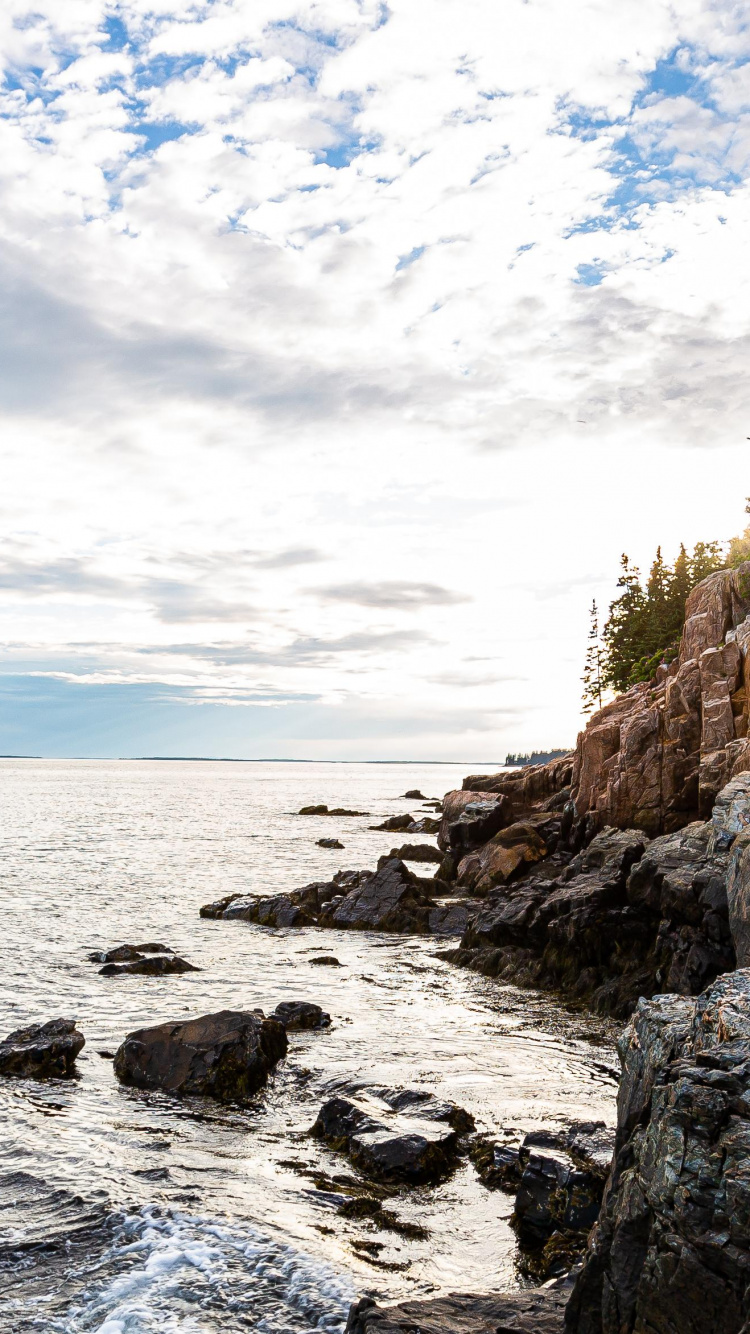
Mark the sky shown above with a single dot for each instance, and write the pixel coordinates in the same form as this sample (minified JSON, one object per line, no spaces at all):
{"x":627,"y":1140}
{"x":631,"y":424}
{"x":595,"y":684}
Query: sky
{"x":345,"y":347}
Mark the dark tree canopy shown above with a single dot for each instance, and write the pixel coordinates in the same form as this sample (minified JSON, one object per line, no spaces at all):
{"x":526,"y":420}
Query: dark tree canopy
{"x":645,"y":621}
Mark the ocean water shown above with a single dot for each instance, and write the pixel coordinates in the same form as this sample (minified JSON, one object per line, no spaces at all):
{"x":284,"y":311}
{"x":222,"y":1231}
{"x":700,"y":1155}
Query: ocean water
{"x":123,"y":1211}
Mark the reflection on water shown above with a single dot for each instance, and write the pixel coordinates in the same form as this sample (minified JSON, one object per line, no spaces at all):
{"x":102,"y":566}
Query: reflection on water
{"x":121,"y":1210}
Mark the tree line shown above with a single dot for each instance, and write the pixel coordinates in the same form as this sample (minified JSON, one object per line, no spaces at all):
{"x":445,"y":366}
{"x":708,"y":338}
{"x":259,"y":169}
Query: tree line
{"x":645,"y":620}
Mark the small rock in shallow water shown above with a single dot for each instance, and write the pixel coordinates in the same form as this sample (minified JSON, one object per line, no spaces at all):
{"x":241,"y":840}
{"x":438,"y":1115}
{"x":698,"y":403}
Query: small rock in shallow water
{"x":155,"y":965}
{"x":226,"y":1056}
{"x":395,"y":823}
{"x":301,"y":1014}
{"x":418,"y":1143}
{"x":414,"y":794}
{"x":416,"y":852}
{"x":327,"y":960}
{"x":328,"y":843}
{"x":42,"y":1050}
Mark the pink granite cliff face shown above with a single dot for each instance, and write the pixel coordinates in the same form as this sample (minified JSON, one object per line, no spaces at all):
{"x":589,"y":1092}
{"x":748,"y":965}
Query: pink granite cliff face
{"x":655,"y":758}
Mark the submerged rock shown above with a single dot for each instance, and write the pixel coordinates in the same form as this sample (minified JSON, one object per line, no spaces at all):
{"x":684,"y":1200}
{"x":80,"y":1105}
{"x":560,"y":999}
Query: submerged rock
{"x":226,"y":1056}
{"x":323,"y":810}
{"x":671,"y":1250}
{"x":328,"y":843}
{"x":42,"y":1051}
{"x":326,"y":961}
{"x":301,"y":1014}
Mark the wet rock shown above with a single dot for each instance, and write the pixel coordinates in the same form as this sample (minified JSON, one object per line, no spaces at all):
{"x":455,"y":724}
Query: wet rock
{"x":395,"y":822}
{"x":409,"y":1148}
{"x":671,"y":1249}
{"x":42,"y":1051}
{"x":226,"y":1056}
{"x":498,"y":1165}
{"x":471,"y":819}
{"x":323,"y":810}
{"x":416,"y":852}
{"x":414,"y":794}
{"x":554,"y":1193}
{"x":328,"y":843}
{"x":450,"y":919}
{"x":425,"y":825}
{"x":154,"y":965}
{"x":535,"y":1311}
{"x":123,"y":953}
{"x":326,"y":960}
{"x":389,"y":900}
{"x":296,"y":1015}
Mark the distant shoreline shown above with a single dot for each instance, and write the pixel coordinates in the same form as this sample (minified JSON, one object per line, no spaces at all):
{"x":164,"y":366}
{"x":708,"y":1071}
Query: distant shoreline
{"x":230,"y":759}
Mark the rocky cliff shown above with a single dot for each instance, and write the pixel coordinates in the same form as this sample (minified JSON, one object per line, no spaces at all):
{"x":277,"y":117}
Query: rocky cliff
{"x":656,"y":757}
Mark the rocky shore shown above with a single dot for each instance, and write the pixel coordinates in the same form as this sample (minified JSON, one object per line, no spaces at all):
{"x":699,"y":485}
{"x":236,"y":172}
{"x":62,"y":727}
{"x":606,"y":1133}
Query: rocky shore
{"x":618,"y":877}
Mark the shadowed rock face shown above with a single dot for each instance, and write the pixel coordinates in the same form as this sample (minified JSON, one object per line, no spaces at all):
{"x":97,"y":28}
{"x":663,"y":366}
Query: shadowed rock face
{"x":42,"y":1051}
{"x":226,"y":1056}
{"x":538,"y":1311}
{"x":671,"y":1251}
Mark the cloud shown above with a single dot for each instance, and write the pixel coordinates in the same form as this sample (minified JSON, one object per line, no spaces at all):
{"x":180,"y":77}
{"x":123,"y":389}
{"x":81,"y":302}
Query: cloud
{"x":396,"y":593}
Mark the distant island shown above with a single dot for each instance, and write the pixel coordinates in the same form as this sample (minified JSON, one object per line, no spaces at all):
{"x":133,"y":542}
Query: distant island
{"x":537,"y":756}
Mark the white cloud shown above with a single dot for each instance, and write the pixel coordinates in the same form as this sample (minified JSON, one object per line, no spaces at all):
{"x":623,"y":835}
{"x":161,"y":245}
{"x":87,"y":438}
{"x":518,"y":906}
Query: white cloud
{"x":452,"y":297}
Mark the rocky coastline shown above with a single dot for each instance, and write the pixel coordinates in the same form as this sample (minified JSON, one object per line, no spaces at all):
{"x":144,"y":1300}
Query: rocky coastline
{"x":617,"y":877}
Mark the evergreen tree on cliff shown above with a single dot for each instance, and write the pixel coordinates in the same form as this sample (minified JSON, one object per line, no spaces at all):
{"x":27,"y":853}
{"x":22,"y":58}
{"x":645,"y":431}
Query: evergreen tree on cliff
{"x":592,"y":670}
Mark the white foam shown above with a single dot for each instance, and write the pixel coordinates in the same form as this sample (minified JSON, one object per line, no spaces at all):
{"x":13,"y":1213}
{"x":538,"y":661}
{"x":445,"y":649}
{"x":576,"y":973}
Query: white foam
{"x":184,"y":1271}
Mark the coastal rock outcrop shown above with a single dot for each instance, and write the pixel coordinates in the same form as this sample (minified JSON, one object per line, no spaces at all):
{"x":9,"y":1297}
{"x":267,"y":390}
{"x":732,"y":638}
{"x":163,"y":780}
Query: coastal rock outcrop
{"x":656,"y":757}
{"x":226,"y":1056}
{"x":670,"y":1253}
{"x":42,"y":1051}
{"x":392,"y":898}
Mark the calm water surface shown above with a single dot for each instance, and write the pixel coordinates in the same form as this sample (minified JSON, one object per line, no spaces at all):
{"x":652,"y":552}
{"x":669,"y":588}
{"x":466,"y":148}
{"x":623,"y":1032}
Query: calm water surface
{"x":124,"y":1212}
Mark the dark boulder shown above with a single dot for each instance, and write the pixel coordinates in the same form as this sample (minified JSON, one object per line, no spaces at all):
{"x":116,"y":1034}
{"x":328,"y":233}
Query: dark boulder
{"x":301,"y":1014}
{"x":471,"y":819}
{"x":323,"y":810}
{"x":395,"y":823}
{"x":394,"y":1135}
{"x":451,"y":918}
{"x":535,"y":1311}
{"x":416,"y":852}
{"x":151,"y":965}
{"x":125,"y":953}
{"x":226,"y":1056}
{"x":326,"y":961}
{"x":414,"y":794}
{"x":42,"y":1051}
{"x":328,"y":843}
{"x":424,"y":825}
{"x":390,"y":900}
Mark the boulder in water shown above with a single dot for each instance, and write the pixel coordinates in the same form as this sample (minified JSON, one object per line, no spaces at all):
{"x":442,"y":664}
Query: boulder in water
{"x":42,"y":1051}
{"x":395,"y":823}
{"x":150,"y":965}
{"x":226,"y":1056}
{"x":301,"y":1014}
{"x":391,"y":1135}
{"x":328,"y":843}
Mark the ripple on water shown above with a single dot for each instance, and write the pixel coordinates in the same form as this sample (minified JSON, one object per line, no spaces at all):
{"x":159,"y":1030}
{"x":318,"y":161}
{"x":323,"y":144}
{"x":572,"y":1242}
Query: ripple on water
{"x":166,"y":1214}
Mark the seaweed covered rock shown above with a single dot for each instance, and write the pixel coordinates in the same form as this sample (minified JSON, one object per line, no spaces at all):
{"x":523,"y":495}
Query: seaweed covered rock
{"x":670,"y":1253}
{"x":227,"y":1056}
{"x":42,"y":1051}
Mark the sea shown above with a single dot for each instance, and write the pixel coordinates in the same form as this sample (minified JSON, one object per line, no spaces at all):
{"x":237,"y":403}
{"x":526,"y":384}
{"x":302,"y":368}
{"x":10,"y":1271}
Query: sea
{"x":126,"y":1212}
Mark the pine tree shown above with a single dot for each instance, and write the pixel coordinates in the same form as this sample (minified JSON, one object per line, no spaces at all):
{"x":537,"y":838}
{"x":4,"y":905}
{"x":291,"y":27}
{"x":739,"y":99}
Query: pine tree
{"x":623,"y":632}
{"x":592,"y":670}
